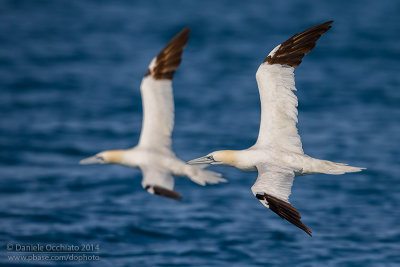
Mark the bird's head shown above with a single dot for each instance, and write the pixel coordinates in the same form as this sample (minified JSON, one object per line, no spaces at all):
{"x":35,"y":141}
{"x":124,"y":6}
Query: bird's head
{"x":108,"y":156}
{"x":222,"y":157}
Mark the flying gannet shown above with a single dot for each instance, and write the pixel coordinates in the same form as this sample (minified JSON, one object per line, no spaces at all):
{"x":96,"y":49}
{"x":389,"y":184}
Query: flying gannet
{"x":153,"y":155}
{"x":278,"y":154}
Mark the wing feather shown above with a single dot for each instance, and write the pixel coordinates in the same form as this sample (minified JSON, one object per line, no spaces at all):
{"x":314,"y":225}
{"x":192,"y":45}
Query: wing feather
{"x":275,"y":79}
{"x":292,"y":51}
{"x":272,"y":188}
{"x":157,"y":95}
{"x":274,"y":180}
{"x":169,"y":59}
{"x":159,"y":182}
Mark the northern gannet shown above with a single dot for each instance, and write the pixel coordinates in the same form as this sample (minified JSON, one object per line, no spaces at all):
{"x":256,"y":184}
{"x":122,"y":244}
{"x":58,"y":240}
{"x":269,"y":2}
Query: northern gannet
{"x":278,"y":154}
{"x":153,"y":155}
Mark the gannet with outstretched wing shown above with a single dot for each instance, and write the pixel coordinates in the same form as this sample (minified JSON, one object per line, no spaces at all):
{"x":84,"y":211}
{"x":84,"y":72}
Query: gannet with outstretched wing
{"x":278,"y":154}
{"x":153,"y":155}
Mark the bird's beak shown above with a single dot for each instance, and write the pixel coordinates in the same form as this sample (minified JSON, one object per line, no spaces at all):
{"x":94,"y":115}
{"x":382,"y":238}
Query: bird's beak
{"x":91,"y":160}
{"x":202,"y":160}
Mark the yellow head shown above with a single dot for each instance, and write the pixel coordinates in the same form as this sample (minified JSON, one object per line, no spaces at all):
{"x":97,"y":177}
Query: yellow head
{"x":221,"y":157}
{"x":108,"y":156}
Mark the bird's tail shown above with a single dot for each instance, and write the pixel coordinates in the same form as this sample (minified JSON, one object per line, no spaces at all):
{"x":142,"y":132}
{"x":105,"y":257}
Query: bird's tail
{"x":329,"y":167}
{"x":203,"y":177}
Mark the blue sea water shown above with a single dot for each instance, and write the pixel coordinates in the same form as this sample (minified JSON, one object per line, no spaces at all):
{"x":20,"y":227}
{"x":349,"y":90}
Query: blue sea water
{"x":69,"y":87}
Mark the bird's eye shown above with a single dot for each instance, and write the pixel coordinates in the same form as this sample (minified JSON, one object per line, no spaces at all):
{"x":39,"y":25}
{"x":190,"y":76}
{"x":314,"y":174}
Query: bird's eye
{"x":210,"y":157}
{"x":100,"y":158}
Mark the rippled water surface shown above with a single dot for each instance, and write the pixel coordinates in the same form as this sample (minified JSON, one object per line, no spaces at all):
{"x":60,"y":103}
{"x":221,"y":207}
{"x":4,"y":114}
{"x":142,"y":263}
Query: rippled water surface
{"x":69,"y":87}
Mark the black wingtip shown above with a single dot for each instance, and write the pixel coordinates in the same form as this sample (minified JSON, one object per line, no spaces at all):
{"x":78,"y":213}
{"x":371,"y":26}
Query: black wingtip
{"x":185,"y":30}
{"x":285,"y":211}
{"x":169,"y":59}
{"x":164,"y":192}
{"x":292,"y":51}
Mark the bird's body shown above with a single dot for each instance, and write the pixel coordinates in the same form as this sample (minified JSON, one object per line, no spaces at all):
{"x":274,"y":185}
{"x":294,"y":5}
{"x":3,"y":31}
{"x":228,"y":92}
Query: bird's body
{"x":154,"y":155}
{"x":302,"y":164}
{"x":143,"y":158}
{"x":278,"y":155}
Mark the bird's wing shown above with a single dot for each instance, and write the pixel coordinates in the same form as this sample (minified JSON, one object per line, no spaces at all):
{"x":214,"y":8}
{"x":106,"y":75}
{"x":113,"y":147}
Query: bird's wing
{"x":272,"y":188}
{"x":157,"y":95}
{"x":275,"y":79}
{"x":159,"y":182}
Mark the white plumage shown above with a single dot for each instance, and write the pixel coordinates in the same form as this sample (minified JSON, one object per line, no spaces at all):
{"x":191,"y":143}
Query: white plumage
{"x":278,"y":108}
{"x":154,"y":154}
{"x":158,"y":114}
{"x":278,"y":154}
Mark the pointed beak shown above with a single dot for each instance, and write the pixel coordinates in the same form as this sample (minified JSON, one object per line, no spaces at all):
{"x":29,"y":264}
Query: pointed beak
{"x":202,"y":160}
{"x":91,"y":160}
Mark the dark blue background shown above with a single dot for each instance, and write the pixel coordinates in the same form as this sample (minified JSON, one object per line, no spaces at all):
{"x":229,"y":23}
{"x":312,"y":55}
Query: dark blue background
{"x":69,"y":87}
